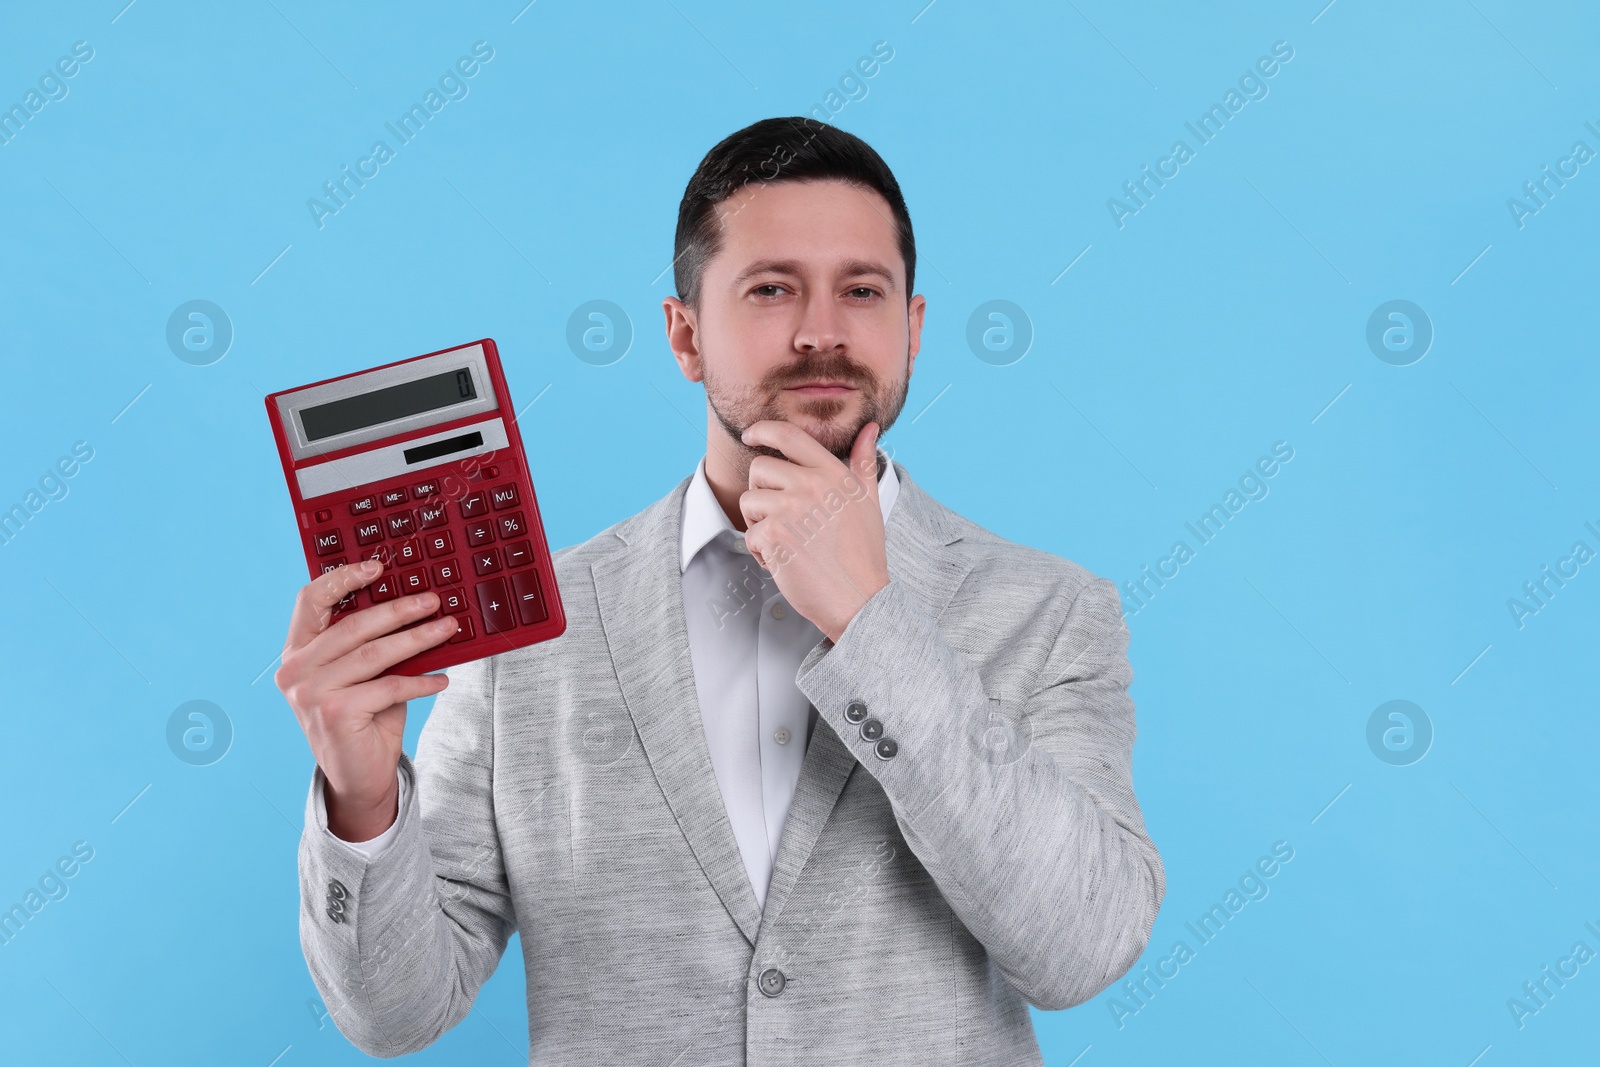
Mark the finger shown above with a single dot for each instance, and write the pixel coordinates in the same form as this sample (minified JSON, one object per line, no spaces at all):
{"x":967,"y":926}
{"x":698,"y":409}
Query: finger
{"x":864,"y":453}
{"x":314,"y":604}
{"x":379,"y":694}
{"x":772,"y":472}
{"x":371,"y":659}
{"x":758,"y":504}
{"x":359,"y":627}
{"x":797,"y":445}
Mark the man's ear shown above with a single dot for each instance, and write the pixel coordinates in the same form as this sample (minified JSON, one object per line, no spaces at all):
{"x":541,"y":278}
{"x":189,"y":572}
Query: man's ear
{"x":683,"y":337}
{"x":919,"y":304}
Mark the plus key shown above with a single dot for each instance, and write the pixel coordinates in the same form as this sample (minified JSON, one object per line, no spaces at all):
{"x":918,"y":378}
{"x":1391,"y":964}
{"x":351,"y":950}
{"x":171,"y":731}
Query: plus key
{"x":494,"y":604}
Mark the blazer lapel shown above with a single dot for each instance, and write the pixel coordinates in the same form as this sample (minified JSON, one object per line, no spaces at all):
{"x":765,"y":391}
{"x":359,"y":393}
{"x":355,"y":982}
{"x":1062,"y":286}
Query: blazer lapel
{"x":639,"y":589}
{"x":640,"y":593}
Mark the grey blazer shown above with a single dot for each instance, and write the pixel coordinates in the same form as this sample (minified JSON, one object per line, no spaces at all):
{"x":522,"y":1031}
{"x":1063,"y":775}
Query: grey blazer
{"x":964,"y":839}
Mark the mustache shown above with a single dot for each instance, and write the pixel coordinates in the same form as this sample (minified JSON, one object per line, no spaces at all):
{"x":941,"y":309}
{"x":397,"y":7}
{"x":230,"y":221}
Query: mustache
{"x":842,"y":369}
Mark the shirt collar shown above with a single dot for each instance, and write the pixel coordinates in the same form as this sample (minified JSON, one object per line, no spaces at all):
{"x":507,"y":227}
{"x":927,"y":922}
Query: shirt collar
{"x":704,"y":520}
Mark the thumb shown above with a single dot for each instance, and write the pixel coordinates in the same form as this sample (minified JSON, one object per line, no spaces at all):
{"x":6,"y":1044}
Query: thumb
{"x":863,"y":454}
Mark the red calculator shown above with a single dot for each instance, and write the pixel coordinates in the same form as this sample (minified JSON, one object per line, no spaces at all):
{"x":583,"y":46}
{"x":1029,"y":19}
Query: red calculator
{"x":419,"y":464}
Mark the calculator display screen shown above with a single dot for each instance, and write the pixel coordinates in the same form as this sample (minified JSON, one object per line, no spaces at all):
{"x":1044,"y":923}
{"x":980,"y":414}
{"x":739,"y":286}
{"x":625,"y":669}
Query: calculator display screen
{"x":388,"y":404}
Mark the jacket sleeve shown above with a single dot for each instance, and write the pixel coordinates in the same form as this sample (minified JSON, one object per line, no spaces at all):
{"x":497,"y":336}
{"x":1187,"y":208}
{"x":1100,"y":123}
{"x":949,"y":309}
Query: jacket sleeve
{"x":1025,"y":820}
{"x":399,"y":944}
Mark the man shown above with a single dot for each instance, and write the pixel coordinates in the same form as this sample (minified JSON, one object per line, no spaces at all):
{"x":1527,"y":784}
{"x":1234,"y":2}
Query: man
{"x":820,"y":771}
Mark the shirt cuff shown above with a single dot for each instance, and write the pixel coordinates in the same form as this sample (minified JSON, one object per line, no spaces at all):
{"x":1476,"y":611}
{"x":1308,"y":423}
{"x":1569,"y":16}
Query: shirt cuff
{"x":374,"y":848}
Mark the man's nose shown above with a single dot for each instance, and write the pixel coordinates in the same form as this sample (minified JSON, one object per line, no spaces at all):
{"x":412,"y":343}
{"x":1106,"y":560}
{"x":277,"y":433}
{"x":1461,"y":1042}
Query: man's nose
{"x":821,"y":327}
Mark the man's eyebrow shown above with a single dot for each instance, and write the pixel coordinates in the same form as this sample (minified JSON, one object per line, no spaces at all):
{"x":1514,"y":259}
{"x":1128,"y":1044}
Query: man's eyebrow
{"x":849,"y":268}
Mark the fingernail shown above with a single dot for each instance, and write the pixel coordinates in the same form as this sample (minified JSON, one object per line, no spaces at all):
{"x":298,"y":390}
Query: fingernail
{"x":370,"y":567}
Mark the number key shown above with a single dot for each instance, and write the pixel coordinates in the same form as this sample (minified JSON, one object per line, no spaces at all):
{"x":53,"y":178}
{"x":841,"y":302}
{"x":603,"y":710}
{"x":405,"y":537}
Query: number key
{"x":440,"y":544}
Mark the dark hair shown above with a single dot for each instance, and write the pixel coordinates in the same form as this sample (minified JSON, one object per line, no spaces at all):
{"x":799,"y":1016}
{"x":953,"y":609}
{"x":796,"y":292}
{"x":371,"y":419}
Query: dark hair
{"x":777,"y":150}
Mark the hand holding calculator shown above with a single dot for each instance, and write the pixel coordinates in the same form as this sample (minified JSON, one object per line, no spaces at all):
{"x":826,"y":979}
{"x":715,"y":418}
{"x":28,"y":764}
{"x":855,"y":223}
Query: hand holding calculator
{"x":419,"y":464}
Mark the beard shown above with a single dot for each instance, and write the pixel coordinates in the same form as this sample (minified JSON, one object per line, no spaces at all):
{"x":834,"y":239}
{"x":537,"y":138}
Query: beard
{"x":738,"y":407}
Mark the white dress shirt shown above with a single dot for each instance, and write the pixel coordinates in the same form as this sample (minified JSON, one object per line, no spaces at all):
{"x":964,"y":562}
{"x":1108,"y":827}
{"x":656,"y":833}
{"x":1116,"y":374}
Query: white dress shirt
{"x":746,"y":644}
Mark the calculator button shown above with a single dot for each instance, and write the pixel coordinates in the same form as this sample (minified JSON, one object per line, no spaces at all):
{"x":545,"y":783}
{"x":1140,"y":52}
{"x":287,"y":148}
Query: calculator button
{"x":324,"y":515}
{"x":479,"y":533}
{"x":408,"y":551}
{"x":452,"y":601}
{"x":383,"y":554}
{"x":369,"y":532}
{"x":447,"y":573}
{"x":365,"y":506}
{"x":503,"y":496}
{"x":414,"y":581}
{"x":327,"y":542}
{"x":400,"y":525}
{"x":394,"y":498}
{"x":474,"y":505}
{"x":530,"y":601}
{"x":512,"y":525}
{"x":439,"y":544}
{"x":494,"y":604}
{"x":385,"y":588}
{"x":344,"y":607}
{"x":423,"y":490}
{"x":465,"y":632}
{"x":432,"y":514}
{"x":519,"y":554}
{"x":332,"y":564}
{"x":486,"y":561}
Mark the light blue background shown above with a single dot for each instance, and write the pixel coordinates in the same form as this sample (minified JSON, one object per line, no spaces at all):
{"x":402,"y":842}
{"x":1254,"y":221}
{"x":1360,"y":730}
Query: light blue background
{"x":1227,"y":315}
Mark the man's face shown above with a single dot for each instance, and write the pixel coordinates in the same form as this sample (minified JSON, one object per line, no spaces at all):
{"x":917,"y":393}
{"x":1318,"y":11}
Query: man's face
{"x":803,"y":314}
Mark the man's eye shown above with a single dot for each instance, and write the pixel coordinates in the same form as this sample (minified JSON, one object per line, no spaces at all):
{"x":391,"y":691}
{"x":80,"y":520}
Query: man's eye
{"x":769,"y":285}
{"x":870,"y":292}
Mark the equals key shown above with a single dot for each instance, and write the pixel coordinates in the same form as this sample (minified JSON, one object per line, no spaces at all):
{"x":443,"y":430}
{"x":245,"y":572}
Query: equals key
{"x":529,"y":598}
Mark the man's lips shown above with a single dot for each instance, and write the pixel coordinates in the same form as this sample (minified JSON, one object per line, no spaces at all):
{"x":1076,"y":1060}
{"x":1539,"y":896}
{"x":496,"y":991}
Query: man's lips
{"x":822,"y":388}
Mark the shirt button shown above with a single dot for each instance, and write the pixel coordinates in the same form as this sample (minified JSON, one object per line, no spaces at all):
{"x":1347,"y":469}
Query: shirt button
{"x":739,"y":545}
{"x":771,"y":981}
{"x":781,"y":736}
{"x":779,"y":611}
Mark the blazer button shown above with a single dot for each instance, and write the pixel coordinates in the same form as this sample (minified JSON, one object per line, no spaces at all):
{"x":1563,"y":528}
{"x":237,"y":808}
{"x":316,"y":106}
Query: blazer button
{"x":855,"y":712}
{"x":336,"y":912}
{"x":871,"y":730}
{"x":336,"y":890}
{"x":886,"y":748}
{"x":771,"y":981}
